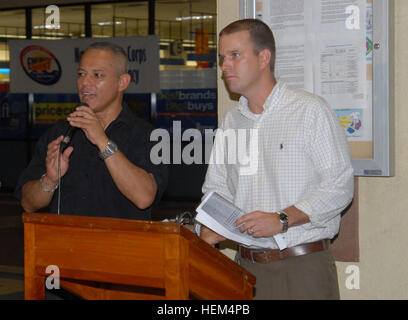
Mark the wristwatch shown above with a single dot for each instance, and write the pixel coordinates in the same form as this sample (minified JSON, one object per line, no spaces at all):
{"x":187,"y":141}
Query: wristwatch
{"x":283,"y":218}
{"x":110,"y":149}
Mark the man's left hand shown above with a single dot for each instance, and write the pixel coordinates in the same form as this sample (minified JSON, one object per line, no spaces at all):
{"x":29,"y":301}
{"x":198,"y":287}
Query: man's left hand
{"x":259,"y":224}
{"x":86,"y":119}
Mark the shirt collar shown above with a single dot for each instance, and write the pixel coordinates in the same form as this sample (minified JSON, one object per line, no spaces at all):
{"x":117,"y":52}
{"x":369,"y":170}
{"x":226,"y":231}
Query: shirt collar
{"x":269,"y":104}
{"x":125,"y":115}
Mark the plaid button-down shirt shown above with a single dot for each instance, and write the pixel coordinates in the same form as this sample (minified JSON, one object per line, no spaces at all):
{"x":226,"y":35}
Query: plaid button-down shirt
{"x":301,"y":157}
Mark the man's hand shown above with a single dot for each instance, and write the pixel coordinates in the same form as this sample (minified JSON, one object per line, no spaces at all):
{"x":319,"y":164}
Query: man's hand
{"x":259,"y":224}
{"x":86,"y":119}
{"x":210,"y":236}
{"x":51,"y":161}
{"x":33,"y":196}
{"x":267,"y":224}
{"x":134,"y":182}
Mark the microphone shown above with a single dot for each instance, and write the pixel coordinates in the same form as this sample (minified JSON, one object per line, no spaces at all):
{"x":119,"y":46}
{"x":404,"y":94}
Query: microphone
{"x":64,"y":144}
{"x":70,"y":132}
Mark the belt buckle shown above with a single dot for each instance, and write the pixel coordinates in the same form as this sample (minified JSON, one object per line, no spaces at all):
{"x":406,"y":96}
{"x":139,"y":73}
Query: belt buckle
{"x":244,"y":255}
{"x":251,"y":254}
{"x":259,"y":252}
{"x":265,"y":255}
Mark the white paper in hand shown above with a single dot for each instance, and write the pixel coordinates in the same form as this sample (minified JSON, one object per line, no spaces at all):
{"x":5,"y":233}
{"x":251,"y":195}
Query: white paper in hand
{"x":219,"y":214}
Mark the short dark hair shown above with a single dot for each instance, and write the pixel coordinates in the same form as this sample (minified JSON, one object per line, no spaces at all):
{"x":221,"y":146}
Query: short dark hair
{"x":259,"y":33}
{"x":116,"y":50}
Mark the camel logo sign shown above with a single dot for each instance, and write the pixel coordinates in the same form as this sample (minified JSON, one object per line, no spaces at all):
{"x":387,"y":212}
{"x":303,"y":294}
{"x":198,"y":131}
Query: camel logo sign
{"x":40,"y":65}
{"x":51,"y":66}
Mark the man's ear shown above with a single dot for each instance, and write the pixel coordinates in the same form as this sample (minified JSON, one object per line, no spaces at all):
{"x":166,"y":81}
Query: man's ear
{"x":124,"y":81}
{"x":265,"y":57}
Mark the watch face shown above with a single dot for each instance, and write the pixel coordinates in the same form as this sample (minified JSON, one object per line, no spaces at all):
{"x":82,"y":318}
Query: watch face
{"x":111,"y":148}
{"x":283,"y":216}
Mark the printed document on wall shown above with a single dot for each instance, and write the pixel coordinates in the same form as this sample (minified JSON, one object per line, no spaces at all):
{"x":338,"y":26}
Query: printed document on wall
{"x":321,"y":47}
{"x":289,"y":21}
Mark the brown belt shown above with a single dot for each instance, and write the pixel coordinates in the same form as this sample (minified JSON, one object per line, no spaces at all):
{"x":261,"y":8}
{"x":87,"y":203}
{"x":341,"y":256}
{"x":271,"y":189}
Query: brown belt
{"x":264,"y":256}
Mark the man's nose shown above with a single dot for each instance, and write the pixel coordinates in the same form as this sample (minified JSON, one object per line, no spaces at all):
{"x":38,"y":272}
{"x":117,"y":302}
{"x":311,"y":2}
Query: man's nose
{"x":84,"y":80}
{"x":225,"y":64}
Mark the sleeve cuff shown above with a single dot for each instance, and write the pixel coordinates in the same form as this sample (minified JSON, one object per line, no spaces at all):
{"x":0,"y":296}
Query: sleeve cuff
{"x":197,"y":229}
{"x":314,"y":219}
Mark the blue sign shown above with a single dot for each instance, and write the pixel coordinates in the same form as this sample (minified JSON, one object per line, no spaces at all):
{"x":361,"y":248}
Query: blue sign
{"x":195,"y":108}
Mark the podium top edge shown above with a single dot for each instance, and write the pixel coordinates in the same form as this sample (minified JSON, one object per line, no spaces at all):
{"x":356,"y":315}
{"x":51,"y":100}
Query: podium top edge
{"x":100,"y":222}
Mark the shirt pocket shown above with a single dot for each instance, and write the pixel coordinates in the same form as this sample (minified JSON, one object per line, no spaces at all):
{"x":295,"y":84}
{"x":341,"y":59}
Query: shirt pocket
{"x":289,"y":162}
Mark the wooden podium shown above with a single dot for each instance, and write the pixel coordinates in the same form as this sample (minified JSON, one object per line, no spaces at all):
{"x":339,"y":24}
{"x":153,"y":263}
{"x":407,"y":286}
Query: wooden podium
{"x":104,"y":258}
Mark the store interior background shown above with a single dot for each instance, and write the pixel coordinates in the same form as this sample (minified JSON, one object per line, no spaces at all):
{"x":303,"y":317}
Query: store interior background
{"x":383,"y":223}
{"x":176,"y":23}
{"x":187,"y":32}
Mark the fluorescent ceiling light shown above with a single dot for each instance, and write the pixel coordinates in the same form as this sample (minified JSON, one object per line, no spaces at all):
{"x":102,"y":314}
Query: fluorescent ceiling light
{"x":108,"y":23}
{"x":194,"y":18}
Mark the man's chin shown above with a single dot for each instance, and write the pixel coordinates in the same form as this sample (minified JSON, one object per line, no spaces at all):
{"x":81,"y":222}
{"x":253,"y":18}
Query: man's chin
{"x":234,"y":89}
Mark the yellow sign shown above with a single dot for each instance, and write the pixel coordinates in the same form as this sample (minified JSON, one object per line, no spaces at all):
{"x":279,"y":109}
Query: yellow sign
{"x":48,"y":113}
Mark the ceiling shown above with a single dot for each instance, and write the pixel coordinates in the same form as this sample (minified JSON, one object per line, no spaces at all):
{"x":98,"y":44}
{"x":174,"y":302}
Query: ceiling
{"x":165,"y":10}
{"x":33,"y":3}
{"x":7,"y":4}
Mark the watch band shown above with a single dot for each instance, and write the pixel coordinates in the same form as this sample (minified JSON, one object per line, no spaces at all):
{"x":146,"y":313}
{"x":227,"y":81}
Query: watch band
{"x":283,"y":218}
{"x":44,"y":188}
{"x":110,"y":149}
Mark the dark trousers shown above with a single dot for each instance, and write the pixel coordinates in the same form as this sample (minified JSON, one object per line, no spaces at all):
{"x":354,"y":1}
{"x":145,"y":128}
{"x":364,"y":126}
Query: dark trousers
{"x":311,"y":276}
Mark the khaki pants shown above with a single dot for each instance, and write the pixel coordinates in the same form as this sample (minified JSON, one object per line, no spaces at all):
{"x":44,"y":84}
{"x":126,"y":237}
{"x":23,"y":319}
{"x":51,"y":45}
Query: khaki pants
{"x":311,"y":276}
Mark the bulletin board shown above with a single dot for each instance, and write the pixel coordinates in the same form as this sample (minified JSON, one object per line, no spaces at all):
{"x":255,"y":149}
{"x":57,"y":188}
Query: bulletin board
{"x":339,"y":50}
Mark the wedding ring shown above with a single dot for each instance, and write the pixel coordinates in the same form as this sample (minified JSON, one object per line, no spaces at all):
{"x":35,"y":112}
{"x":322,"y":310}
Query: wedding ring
{"x":251,"y":231}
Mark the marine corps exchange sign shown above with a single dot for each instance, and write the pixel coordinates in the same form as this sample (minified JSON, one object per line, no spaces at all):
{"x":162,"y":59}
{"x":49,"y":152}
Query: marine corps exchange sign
{"x":40,"y":65}
{"x":50,"y":66}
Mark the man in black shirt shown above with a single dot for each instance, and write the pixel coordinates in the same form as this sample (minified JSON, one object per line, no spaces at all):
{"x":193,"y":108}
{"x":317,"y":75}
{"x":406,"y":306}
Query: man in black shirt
{"x":106,"y":171}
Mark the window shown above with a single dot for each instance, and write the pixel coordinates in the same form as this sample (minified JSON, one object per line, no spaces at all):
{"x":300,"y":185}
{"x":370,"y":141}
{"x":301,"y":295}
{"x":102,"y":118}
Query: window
{"x":185,"y":28}
{"x":120,"y":19}
{"x":12,"y":25}
{"x":71,"y":23}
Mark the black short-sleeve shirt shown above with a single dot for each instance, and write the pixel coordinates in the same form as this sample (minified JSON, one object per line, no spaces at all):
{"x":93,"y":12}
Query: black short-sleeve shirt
{"x":87,"y":189}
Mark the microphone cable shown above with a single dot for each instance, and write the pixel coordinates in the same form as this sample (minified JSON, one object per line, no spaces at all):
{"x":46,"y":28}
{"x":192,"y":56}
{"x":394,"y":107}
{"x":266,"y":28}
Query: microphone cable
{"x":67,"y":139}
{"x":59,"y":181}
